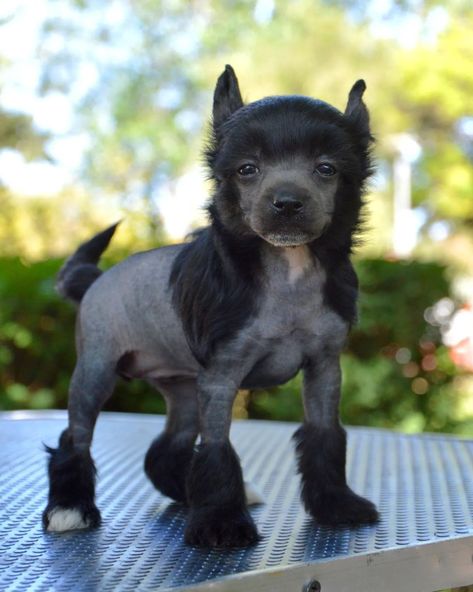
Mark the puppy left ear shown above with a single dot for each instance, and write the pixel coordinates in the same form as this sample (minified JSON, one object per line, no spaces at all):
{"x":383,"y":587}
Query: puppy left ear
{"x":227,"y":97}
{"x":356,"y":110}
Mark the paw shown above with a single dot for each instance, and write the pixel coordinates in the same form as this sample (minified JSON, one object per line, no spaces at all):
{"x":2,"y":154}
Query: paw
{"x":220,"y":529}
{"x":60,"y":519}
{"x":167,"y":464}
{"x":342,"y":507}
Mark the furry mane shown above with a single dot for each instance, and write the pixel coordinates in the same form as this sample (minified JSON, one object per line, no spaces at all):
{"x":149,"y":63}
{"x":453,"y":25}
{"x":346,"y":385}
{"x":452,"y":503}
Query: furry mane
{"x":215,"y":280}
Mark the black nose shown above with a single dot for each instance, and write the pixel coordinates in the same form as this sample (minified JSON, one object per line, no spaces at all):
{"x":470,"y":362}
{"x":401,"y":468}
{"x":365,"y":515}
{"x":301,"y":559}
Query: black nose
{"x":286,"y":204}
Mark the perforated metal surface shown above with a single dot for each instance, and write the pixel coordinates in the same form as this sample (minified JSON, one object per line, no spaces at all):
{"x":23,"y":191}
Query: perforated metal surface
{"x":422,"y":485}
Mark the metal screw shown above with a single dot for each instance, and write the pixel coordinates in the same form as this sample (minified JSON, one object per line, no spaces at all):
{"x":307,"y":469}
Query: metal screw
{"x":312,"y":586}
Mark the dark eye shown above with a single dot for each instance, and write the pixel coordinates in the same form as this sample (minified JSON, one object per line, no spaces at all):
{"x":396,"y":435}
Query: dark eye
{"x":247,"y":170}
{"x":324,"y":169}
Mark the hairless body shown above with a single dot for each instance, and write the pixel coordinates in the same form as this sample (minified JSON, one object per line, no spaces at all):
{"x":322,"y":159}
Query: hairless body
{"x":265,"y":291}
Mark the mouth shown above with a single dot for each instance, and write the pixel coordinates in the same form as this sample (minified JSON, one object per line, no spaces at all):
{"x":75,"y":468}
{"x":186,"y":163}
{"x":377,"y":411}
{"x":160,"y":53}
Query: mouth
{"x":279,"y":239}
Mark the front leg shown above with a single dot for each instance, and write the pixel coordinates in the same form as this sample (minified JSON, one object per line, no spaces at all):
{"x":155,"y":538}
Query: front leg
{"x":321,"y":450}
{"x":218,"y":514}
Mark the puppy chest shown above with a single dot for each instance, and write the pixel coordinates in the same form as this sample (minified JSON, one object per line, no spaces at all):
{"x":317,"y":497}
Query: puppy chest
{"x":285,"y":311}
{"x":282,"y":351}
{"x":278,"y":362}
{"x":297,"y":327}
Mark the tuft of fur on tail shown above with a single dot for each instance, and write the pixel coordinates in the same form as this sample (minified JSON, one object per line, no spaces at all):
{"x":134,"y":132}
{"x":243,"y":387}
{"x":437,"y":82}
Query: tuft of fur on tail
{"x":80,"y":271}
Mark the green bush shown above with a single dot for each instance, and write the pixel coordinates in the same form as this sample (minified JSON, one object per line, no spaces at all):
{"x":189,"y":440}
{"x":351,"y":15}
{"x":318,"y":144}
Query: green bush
{"x":37,"y":352}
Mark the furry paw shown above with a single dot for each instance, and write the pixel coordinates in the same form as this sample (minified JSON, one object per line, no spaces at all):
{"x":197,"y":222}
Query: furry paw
{"x":220,"y":529}
{"x":60,"y":519}
{"x":342,"y":507}
{"x":167,"y":464}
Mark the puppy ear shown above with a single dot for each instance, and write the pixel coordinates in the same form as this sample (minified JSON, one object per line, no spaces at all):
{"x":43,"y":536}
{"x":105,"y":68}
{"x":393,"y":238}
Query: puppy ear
{"x":227,"y":97}
{"x":356,"y":110}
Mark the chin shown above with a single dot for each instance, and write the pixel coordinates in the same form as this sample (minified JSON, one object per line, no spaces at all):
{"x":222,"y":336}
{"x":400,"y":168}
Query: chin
{"x":281,"y":239}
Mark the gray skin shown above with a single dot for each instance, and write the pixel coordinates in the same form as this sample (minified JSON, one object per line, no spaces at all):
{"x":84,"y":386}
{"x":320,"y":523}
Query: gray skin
{"x":127,"y":321}
{"x":129,"y":309}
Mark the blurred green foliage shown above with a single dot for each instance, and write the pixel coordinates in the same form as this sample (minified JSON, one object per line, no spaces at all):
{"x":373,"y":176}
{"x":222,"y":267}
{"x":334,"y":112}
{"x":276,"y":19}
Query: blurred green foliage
{"x":151,"y":67}
{"x":17,"y":132}
{"x":145,"y":111}
{"x":387,"y":381}
{"x":33,"y":323}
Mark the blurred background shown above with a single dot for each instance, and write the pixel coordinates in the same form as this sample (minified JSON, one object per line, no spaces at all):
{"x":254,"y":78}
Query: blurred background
{"x":103,"y":111}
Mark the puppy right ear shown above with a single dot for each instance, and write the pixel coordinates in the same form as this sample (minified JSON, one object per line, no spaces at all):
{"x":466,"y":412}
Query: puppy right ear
{"x":227,"y":97}
{"x":356,"y":109}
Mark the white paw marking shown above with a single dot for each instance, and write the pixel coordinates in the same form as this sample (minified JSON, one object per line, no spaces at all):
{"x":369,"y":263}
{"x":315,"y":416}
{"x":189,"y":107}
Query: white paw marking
{"x":253,"y":495}
{"x":62,"y":519}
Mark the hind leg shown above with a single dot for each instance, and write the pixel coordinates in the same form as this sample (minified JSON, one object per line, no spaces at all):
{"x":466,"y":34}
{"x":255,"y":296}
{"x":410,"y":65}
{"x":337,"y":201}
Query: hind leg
{"x":169,"y":457}
{"x":71,"y":469}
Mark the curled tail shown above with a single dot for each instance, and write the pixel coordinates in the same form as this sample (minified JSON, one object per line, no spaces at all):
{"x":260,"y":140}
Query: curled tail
{"x":80,"y":271}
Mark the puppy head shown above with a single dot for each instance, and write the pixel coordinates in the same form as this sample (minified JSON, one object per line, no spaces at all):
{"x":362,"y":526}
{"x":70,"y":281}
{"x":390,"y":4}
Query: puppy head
{"x":289,"y":169}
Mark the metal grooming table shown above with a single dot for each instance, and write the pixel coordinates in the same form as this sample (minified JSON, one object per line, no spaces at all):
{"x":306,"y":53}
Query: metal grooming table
{"x":423,"y":486}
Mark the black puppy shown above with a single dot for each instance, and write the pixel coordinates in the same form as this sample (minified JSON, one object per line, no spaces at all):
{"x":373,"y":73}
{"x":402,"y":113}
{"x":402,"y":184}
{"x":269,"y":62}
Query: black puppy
{"x":264,"y":291}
